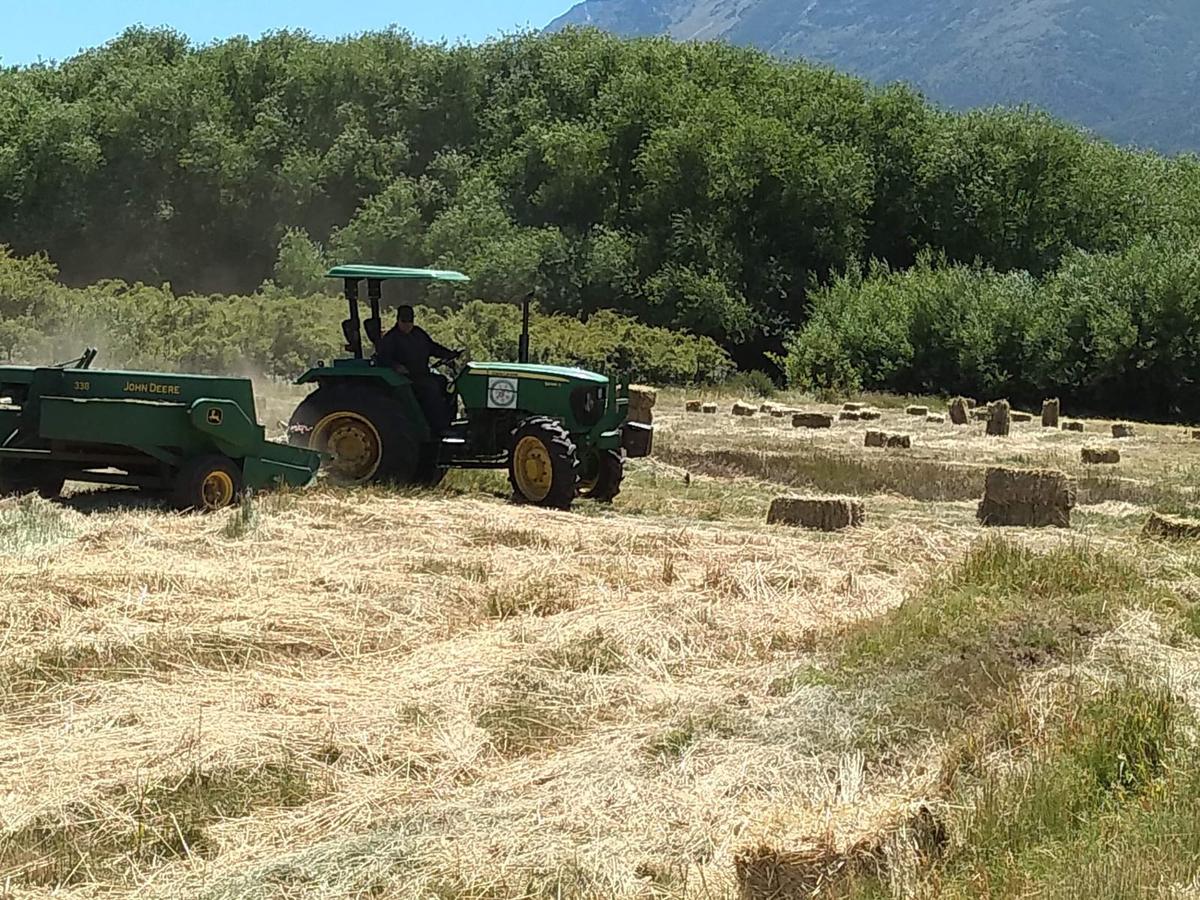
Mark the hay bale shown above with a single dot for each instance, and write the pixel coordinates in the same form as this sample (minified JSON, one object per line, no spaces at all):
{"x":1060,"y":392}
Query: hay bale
{"x":870,"y":415}
{"x":998,"y":419}
{"x":1100,"y":456}
{"x":1050,"y":411}
{"x":1196,"y":435}
{"x":917,"y":410}
{"x":692,"y":406}
{"x":1122,"y":430}
{"x":854,"y":407}
{"x":812,"y":420}
{"x":850,"y":415}
{"x":1030,"y":497}
{"x":1021,"y":417}
{"x":766,"y":407}
{"x":1073,"y":426}
{"x":899,"y":442}
{"x":709,"y":409}
{"x":744,"y":409}
{"x":935,"y":418}
{"x":1173,"y":527}
{"x":960,"y":412}
{"x":876,"y":439}
{"x":819,"y":513}
{"x":641,"y":404}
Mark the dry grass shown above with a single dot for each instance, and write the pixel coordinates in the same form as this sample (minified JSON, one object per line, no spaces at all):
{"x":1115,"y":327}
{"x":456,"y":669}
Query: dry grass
{"x":441,"y":694}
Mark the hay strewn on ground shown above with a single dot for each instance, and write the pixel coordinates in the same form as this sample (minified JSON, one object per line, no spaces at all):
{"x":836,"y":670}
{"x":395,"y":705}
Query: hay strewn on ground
{"x":442,"y":694}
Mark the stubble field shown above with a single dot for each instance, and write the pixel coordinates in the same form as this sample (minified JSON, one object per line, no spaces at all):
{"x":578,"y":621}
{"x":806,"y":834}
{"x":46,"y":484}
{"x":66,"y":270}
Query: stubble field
{"x":444,"y":695}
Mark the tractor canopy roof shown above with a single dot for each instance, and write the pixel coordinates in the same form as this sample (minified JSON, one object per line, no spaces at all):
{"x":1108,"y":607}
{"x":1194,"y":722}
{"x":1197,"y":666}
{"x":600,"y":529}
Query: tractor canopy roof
{"x":534,"y":371}
{"x":389,"y":273}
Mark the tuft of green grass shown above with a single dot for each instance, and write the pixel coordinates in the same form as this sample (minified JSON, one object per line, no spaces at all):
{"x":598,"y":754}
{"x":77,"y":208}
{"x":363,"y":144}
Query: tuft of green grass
{"x":30,"y":522}
{"x":533,"y":597}
{"x":952,"y":649}
{"x":244,"y":520}
{"x":157,"y":822}
{"x":594,"y":653}
{"x":529,"y":713}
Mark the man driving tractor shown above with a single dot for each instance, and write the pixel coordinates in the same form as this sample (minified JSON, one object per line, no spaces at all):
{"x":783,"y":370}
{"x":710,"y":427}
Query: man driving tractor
{"x":409,"y":346}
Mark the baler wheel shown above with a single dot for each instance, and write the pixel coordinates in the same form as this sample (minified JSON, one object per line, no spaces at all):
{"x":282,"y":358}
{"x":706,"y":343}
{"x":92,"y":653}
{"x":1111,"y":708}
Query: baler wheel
{"x":207,"y":483}
{"x":543,"y":467}
{"x":604,"y":475}
{"x":23,"y":478}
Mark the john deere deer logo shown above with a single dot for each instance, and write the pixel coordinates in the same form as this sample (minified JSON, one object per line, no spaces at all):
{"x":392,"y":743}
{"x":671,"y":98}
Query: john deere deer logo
{"x":214,"y":416}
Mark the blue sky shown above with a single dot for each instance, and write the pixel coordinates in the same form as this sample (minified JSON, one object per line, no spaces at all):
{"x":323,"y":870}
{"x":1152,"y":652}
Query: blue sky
{"x":55,"y":29}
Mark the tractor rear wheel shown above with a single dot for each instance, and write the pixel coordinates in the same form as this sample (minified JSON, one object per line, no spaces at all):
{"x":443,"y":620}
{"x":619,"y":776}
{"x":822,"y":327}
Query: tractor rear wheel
{"x":542,"y":465}
{"x":207,"y":483}
{"x":603,"y":472}
{"x":29,"y":478}
{"x":362,"y":430}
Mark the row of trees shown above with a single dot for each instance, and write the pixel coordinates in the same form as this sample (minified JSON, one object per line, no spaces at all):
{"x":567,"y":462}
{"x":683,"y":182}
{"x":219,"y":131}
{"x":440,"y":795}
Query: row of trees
{"x":695,"y":186}
{"x":1116,"y":332}
{"x":274,"y":332}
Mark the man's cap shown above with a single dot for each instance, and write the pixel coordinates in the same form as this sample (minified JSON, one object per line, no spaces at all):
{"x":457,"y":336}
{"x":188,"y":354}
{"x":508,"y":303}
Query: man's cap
{"x":404,"y":314}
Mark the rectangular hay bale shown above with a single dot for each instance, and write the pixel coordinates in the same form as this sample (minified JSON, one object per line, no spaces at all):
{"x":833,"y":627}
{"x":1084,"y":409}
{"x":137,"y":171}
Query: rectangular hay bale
{"x":692,"y":406}
{"x":960,"y":412}
{"x":1172,"y":527}
{"x":917,"y":410}
{"x":1100,"y":456}
{"x":709,"y":409}
{"x":1029,"y":497}
{"x":1050,"y":413}
{"x":817,"y":513}
{"x":812,"y":420}
{"x":1073,"y":426}
{"x":744,"y":409}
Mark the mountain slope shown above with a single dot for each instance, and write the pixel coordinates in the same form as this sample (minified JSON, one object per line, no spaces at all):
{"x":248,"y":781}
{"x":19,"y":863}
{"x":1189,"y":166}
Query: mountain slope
{"x":1127,"y":71}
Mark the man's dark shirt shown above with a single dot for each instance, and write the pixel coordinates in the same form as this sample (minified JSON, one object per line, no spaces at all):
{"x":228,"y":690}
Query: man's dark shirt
{"x":411,"y":350}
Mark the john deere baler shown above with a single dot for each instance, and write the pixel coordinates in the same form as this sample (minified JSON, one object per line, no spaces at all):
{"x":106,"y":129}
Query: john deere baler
{"x":193,"y":437}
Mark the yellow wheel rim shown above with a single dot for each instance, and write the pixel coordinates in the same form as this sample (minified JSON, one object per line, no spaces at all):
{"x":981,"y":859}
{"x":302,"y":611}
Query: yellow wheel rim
{"x":354,"y":444}
{"x":216,"y":491}
{"x":532,"y":468}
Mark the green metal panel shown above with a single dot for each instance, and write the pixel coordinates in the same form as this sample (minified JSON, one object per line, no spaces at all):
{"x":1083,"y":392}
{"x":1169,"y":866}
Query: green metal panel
{"x":260,"y":472}
{"x":357,"y":369}
{"x":130,"y":423}
{"x":391,"y":273}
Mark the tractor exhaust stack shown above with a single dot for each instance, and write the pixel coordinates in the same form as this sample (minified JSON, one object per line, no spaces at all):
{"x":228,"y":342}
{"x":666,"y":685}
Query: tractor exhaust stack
{"x":523,"y":346}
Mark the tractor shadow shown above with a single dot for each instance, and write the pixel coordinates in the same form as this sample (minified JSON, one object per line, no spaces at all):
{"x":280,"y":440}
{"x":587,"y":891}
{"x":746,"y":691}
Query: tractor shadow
{"x":111,"y":500}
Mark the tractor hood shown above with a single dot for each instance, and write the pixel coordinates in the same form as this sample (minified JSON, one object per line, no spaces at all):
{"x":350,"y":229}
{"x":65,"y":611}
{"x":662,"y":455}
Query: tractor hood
{"x":551,"y":374}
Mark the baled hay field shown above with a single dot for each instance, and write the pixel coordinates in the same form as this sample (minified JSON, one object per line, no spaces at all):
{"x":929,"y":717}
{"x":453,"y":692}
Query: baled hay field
{"x":444,"y":695}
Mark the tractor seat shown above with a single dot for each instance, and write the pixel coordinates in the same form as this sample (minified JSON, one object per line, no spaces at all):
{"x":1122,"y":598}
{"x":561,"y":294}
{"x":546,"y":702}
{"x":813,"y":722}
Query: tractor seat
{"x":351,"y":334}
{"x":374,"y":329}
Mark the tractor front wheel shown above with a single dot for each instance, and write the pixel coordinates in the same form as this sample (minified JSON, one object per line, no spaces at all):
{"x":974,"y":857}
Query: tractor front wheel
{"x":362,"y":431}
{"x":603,"y":472}
{"x":207,"y":483}
{"x":542,"y":465}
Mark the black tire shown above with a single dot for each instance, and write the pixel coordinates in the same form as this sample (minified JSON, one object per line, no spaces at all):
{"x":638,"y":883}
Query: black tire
{"x":604,"y":482}
{"x":557,"y":457}
{"x":30,"y":478}
{"x":207,"y":483}
{"x":397,"y":458}
{"x":429,"y":473}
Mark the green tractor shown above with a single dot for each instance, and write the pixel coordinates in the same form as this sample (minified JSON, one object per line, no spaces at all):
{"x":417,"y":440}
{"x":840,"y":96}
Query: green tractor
{"x":561,"y":432}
